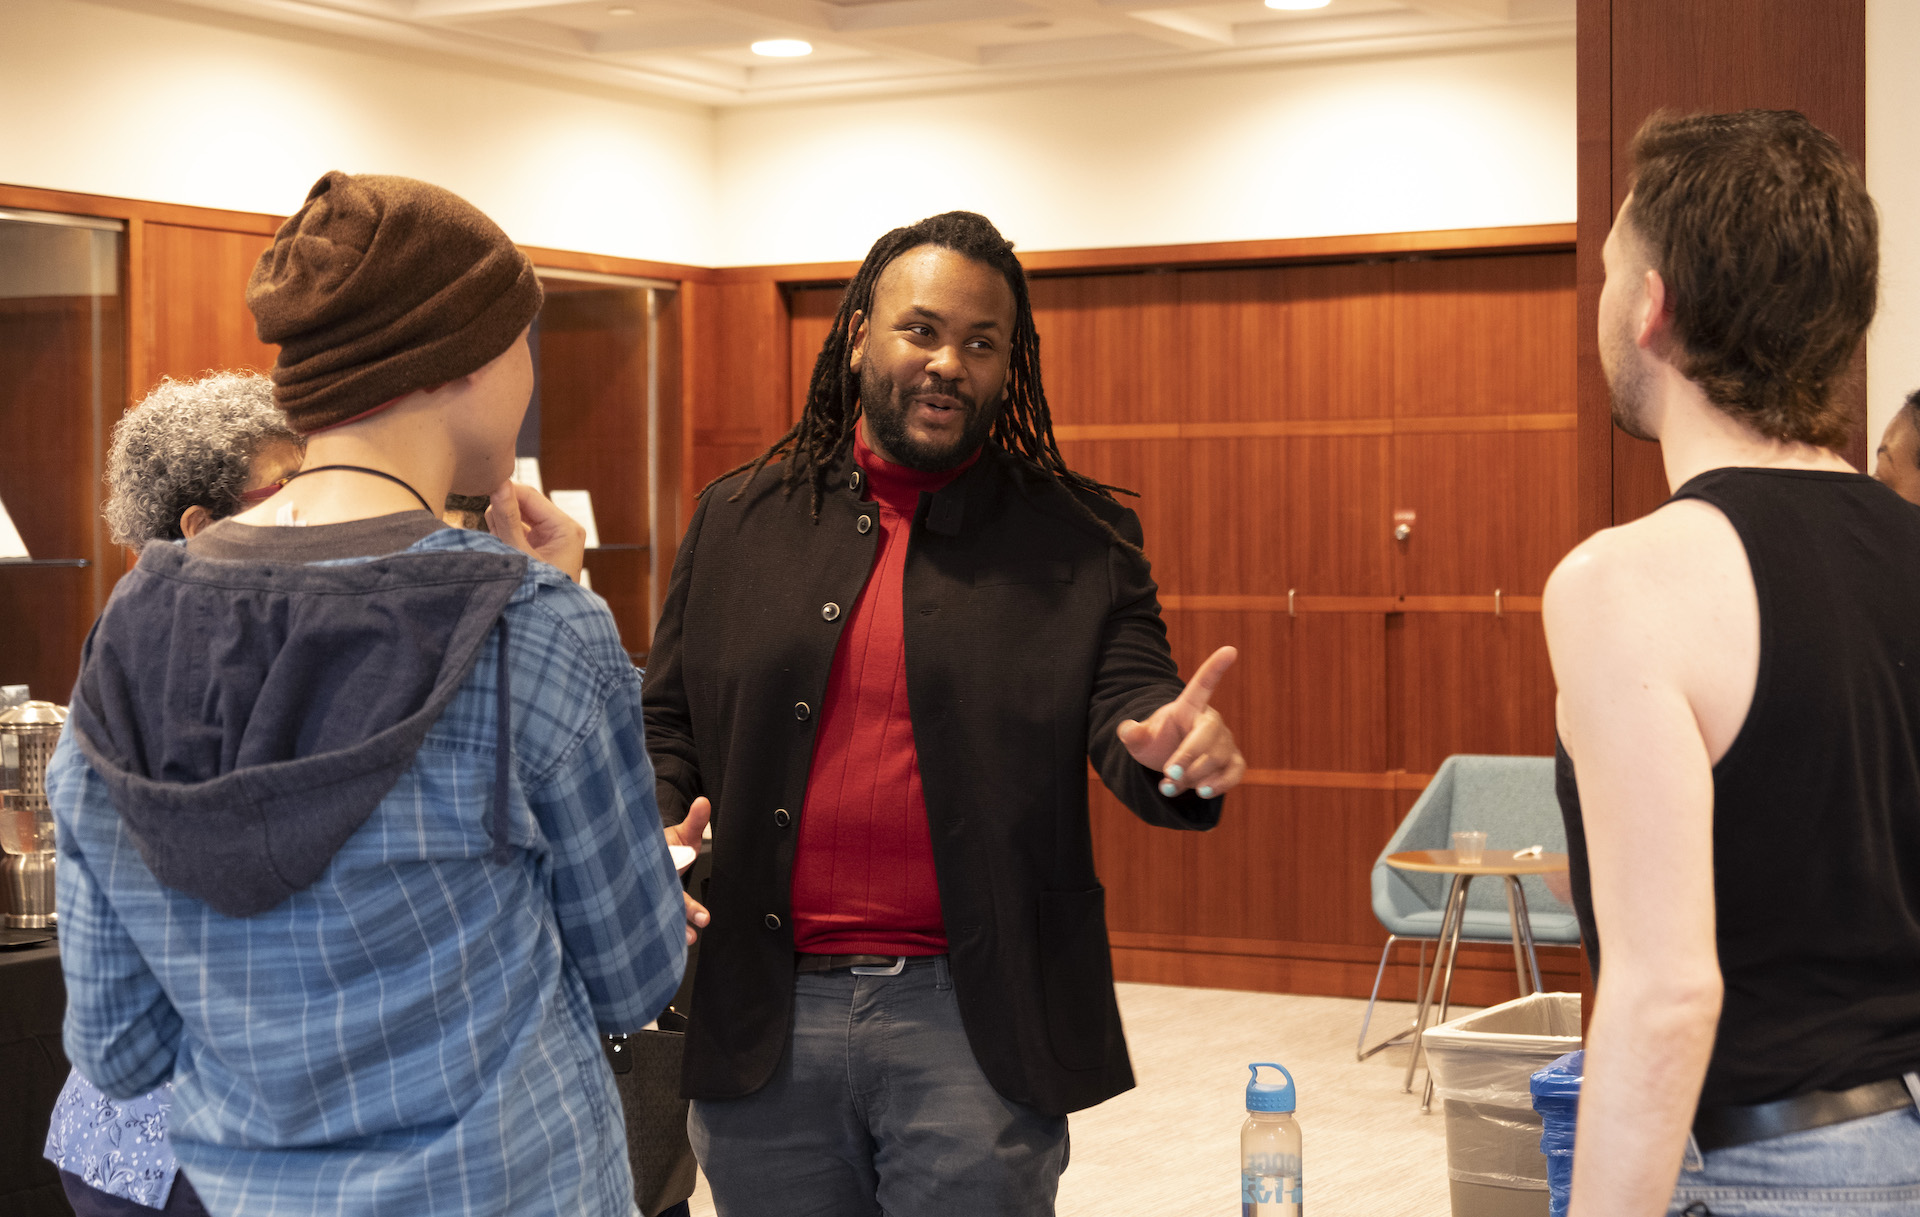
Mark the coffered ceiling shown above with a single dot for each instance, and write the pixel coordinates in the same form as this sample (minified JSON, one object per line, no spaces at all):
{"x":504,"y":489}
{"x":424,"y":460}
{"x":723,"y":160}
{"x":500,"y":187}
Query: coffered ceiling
{"x":698,"y":50}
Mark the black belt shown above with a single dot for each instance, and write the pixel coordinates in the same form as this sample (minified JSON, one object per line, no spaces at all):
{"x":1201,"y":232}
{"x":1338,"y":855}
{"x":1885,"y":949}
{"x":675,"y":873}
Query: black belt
{"x":887,"y":965}
{"x":1724,"y":1127}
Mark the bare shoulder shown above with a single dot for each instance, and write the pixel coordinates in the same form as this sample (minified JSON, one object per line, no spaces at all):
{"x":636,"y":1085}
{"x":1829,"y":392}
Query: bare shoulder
{"x":1666,"y":602}
{"x":1676,"y":559}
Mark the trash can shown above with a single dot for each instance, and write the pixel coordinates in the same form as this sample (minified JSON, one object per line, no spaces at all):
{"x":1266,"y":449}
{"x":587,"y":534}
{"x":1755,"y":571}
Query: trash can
{"x":1481,"y":1066}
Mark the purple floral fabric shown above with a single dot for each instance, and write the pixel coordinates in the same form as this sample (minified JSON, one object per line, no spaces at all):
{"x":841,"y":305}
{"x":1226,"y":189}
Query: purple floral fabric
{"x":118,"y":1148}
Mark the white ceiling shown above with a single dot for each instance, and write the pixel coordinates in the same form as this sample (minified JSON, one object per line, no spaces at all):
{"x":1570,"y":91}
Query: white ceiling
{"x":697,"y":50}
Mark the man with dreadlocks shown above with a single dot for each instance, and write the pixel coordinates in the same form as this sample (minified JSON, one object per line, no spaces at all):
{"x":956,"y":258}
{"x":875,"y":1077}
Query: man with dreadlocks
{"x":887,"y":689}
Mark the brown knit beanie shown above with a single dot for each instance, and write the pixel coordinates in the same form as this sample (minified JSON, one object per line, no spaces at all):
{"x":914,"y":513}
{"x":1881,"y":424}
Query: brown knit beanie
{"x":379,"y":286}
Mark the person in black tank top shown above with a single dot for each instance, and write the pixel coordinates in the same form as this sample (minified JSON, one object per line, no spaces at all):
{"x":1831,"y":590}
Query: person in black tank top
{"x":1739,"y":708}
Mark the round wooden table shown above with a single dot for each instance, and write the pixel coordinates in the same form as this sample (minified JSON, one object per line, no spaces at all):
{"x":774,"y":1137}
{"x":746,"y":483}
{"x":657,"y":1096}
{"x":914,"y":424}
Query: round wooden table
{"x":1509,"y":866}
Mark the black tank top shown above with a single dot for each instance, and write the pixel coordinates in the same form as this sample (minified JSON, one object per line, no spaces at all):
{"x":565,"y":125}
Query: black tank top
{"x":1816,"y":806}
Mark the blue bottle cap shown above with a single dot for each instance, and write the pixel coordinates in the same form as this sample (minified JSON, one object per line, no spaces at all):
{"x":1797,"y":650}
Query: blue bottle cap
{"x":1265,"y":1096}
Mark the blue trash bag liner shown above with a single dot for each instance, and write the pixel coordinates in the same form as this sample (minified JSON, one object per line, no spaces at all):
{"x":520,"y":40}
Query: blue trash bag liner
{"x":1556,"y":1096}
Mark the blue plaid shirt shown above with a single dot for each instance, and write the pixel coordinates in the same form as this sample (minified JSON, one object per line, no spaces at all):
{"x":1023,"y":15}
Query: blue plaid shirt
{"x":415,"y":1032}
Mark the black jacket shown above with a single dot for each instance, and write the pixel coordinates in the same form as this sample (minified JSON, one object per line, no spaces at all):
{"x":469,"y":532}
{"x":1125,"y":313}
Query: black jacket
{"x":1030,"y":634}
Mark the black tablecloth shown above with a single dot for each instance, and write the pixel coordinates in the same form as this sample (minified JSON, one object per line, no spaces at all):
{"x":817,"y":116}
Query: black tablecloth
{"x":33,"y":1067}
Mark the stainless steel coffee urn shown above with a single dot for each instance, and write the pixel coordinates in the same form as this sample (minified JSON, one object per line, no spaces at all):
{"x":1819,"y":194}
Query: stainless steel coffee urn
{"x":27,"y":735}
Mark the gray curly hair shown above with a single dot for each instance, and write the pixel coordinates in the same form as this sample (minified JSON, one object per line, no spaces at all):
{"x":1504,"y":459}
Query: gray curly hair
{"x":189,"y":442}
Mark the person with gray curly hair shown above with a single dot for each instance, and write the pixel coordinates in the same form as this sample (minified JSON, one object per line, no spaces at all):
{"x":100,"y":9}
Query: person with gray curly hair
{"x":196,"y":451}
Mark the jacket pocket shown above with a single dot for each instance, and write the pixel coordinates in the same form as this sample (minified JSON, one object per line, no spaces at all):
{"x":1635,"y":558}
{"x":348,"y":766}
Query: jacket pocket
{"x":1076,"y":976}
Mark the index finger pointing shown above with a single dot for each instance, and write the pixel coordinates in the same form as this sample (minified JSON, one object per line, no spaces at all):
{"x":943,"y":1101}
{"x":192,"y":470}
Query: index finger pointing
{"x":1200,"y":689}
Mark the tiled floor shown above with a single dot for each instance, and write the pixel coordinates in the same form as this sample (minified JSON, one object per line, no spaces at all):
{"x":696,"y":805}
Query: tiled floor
{"x":1170,"y":1146}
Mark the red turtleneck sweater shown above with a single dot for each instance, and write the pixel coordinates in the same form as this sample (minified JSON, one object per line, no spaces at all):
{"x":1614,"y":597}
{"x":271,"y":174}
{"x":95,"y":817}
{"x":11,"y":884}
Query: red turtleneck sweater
{"x":863,"y":878}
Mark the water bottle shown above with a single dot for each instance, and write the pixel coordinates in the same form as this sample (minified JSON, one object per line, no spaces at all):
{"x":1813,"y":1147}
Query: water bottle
{"x":1270,"y":1148}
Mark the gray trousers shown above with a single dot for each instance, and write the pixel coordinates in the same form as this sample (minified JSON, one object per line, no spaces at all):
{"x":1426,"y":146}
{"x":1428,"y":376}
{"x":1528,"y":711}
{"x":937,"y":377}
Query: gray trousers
{"x":878,"y":1107}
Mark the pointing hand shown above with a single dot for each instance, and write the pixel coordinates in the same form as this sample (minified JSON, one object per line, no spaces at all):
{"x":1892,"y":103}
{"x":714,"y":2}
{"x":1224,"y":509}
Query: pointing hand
{"x":1186,"y":740}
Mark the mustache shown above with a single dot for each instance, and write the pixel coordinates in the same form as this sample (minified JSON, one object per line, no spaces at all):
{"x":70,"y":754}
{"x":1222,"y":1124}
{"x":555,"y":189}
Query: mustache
{"x":945,"y":388}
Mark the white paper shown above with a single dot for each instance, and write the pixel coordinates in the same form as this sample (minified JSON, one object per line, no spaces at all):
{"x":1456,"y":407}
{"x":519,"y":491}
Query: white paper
{"x":586,"y":578}
{"x":527,"y":469}
{"x":11,"y":546}
{"x":579,"y":505}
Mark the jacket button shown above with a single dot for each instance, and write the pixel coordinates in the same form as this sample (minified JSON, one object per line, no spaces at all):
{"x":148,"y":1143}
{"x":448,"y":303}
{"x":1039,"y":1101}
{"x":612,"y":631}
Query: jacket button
{"x":830,"y":611}
{"x":853,"y":479}
{"x":781,"y":817}
{"x":801,"y":710}
{"x":865,"y":525}
{"x":773,"y":921}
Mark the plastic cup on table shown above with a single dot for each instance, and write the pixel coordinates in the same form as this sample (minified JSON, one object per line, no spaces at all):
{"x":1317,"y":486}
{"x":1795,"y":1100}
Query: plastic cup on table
{"x":1468,"y":846}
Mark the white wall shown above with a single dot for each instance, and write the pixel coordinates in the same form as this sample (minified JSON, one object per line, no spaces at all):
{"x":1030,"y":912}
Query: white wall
{"x":140,"y":99}
{"x":120,"y":101}
{"x":1384,"y":145}
{"x":1893,"y":175}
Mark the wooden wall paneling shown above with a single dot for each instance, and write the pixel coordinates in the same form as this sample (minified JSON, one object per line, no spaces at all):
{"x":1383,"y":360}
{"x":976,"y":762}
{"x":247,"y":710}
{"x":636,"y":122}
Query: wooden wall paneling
{"x":1710,"y":55}
{"x":1478,"y":336}
{"x":739,"y":399}
{"x":197,"y":319}
{"x":1494,"y":510}
{"x":673,"y":454}
{"x":1157,"y":475}
{"x":811,"y":310}
{"x":1468,"y":682}
{"x":1308,"y":692}
{"x":1269,"y":514}
{"x":1593,"y":123}
{"x":1286,"y":342}
{"x":593,"y":433}
{"x":1109,"y":350}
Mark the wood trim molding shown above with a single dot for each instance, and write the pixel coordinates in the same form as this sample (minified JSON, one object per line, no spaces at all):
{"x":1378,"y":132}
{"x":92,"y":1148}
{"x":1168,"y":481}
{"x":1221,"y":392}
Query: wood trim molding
{"x":1518,"y":239}
{"x":1527,"y":238}
{"x":1310,"y":427}
{"x":1352,"y":604}
{"x":608,"y":264}
{"x":33,"y":198}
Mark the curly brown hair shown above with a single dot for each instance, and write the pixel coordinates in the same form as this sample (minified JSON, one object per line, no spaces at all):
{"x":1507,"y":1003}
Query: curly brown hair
{"x":1768,"y":243}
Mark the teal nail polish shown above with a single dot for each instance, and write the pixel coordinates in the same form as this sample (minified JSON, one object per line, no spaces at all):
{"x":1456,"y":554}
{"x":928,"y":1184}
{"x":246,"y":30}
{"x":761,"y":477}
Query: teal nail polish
{"x":1169,"y":789}
{"x":1175,"y":772}
{"x":1206,"y":792}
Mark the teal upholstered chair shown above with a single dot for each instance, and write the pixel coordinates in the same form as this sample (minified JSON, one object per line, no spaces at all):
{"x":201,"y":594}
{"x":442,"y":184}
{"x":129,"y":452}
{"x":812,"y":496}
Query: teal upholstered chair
{"x":1511,"y":799}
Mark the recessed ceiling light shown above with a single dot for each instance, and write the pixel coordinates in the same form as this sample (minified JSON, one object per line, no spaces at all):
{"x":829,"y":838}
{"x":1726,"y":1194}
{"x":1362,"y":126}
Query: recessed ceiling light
{"x":1297,"y":5}
{"x":620,"y":10}
{"x":782,"y":48}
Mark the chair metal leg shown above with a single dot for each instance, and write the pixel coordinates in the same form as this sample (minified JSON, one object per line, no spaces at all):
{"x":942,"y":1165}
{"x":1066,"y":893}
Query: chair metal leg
{"x":1511,"y":887}
{"x":1360,"y":1050}
{"x":1523,"y":925}
{"x":1450,"y":924}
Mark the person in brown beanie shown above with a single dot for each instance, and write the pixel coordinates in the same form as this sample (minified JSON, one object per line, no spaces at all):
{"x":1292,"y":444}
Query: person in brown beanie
{"x":360,"y":847}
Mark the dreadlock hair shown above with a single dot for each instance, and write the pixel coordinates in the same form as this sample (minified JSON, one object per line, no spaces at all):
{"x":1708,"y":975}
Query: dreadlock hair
{"x":1024,"y":427}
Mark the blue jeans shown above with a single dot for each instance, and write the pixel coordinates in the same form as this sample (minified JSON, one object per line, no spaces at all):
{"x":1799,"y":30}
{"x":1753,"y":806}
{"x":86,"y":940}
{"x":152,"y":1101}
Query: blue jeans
{"x":878,"y":1106}
{"x":1862,"y":1168}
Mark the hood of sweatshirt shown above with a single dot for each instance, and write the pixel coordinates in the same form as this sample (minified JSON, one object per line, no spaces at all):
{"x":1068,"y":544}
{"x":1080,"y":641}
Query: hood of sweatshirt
{"x":247,"y":717}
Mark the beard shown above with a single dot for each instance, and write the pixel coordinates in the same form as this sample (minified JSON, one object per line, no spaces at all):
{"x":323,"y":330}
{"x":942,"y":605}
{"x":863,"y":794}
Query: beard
{"x":886,"y":406}
{"x":1628,"y":385}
